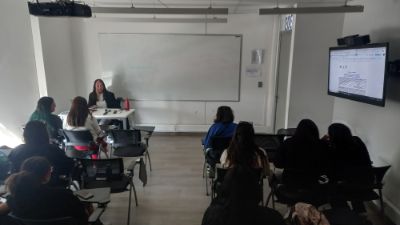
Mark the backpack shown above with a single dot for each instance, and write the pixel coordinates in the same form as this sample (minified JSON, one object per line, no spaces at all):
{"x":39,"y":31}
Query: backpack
{"x":306,"y":214}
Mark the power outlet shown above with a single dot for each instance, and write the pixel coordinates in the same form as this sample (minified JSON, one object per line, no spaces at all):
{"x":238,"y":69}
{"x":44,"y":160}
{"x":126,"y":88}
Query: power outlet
{"x":260,"y":84}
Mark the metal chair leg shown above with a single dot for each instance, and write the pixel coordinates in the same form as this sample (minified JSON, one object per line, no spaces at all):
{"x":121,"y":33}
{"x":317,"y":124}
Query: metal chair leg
{"x":381,"y":201}
{"x":204,"y":169}
{"x":129,"y":204}
{"x":148,"y":158}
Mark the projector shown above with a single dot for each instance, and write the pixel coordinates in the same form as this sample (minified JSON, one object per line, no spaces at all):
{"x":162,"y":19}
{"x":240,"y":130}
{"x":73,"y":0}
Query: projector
{"x":59,"y":8}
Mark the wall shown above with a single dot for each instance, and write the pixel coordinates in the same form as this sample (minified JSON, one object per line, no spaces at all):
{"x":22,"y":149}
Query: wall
{"x":57,"y":57}
{"x":18,"y":87}
{"x":256,"y":104}
{"x":313,"y":35}
{"x":378,"y":127}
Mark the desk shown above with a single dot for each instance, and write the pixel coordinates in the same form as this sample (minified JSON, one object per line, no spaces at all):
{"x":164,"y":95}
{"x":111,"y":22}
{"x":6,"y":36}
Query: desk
{"x":112,"y":114}
{"x":100,"y":195}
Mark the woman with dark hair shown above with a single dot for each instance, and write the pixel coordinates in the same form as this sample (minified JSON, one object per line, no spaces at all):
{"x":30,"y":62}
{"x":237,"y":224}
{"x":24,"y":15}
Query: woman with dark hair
{"x":37,"y":144}
{"x":80,"y":118}
{"x":350,"y":163}
{"x":101,"y":97}
{"x":223,"y":126}
{"x":31,"y":198}
{"x":302,"y":156}
{"x":239,"y":199}
{"x":45,"y":108}
{"x":244,"y":151}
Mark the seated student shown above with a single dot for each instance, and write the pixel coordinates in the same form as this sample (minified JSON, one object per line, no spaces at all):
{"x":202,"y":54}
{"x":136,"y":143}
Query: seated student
{"x":31,"y":198}
{"x":239,"y":202}
{"x":80,"y":118}
{"x":350,"y":163}
{"x":244,"y":151}
{"x":101,"y":97}
{"x":223,"y":126}
{"x":43,"y":112}
{"x":302,"y":156}
{"x":37,"y":144}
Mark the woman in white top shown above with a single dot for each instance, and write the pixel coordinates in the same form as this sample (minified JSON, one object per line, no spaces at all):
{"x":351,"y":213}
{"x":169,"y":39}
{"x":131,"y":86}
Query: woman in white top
{"x":80,"y":118}
{"x":244,"y":151}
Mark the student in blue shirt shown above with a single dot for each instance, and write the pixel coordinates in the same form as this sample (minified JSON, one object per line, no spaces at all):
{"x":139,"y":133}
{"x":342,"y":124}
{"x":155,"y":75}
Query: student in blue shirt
{"x":223,"y":126}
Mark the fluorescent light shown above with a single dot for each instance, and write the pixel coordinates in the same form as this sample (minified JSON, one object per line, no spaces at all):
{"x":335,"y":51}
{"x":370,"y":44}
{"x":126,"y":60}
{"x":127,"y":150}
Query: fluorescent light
{"x":163,"y":20}
{"x":303,"y":10}
{"x":186,"y":11}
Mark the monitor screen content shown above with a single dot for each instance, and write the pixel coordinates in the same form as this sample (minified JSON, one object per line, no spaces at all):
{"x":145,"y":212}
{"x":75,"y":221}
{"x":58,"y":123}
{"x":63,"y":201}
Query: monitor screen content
{"x":358,"y":73}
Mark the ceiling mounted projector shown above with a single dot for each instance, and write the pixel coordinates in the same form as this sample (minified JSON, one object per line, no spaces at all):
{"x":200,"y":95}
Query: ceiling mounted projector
{"x":59,"y":8}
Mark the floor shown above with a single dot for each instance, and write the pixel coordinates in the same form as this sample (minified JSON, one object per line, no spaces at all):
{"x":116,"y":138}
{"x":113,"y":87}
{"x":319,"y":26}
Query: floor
{"x":175,"y":192}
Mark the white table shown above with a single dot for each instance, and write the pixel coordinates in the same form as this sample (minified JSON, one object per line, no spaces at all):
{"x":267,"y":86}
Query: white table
{"x":115,"y":114}
{"x":112,"y":114}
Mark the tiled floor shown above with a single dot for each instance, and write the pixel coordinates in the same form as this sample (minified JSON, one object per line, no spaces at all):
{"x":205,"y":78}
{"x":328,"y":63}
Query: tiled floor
{"x":175,"y":193}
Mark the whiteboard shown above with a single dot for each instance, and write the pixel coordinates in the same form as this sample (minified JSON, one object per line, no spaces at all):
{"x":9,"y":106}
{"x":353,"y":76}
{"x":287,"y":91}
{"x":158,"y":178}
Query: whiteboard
{"x":182,"y":67}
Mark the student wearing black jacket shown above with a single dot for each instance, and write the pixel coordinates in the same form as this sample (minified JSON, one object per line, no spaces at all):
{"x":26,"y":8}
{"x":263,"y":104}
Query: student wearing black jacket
{"x":37,"y":144}
{"x":102,"y":98}
{"x":31,"y":198}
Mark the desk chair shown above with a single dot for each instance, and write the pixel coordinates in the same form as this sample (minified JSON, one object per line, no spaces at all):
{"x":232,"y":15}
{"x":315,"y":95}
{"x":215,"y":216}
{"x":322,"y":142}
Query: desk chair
{"x":220,"y":176}
{"x":109,"y":173}
{"x":81,"y":139}
{"x":212,"y":156}
{"x":379,"y":174}
{"x":270,"y":143}
{"x":148,"y":130}
{"x":286,"y":131}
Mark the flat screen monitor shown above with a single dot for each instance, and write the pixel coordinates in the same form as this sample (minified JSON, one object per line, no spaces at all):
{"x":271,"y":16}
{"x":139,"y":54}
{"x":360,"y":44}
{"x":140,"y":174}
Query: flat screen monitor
{"x":358,"y":73}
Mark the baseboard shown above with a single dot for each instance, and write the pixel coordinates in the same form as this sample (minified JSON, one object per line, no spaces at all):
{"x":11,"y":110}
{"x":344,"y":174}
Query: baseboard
{"x":173,"y":128}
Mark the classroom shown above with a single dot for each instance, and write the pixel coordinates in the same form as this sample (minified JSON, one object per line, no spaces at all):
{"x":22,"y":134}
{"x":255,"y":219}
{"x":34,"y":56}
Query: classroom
{"x":62,"y":56}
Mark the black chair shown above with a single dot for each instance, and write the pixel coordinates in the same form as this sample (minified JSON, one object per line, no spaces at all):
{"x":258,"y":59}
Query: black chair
{"x":286,"y":131}
{"x":127,"y":143}
{"x":51,"y":221}
{"x":270,"y":143}
{"x":212,"y":156}
{"x":109,"y":173}
{"x":220,"y":176}
{"x":148,"y":130}
{"x":296,"y":185}
{"x":379,"y":174}
{"x":81,"y":138}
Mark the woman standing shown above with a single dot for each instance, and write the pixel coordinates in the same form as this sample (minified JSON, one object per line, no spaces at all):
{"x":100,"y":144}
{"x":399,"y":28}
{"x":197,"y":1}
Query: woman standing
{"x":45,"y":108}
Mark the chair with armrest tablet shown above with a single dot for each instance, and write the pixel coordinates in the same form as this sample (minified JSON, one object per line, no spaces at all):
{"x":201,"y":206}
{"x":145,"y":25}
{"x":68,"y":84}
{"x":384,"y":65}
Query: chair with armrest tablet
{"x":79,"y":144}
{"x":109,"y":173}
{"x":212,"y":156}
{"x":270,"y":143}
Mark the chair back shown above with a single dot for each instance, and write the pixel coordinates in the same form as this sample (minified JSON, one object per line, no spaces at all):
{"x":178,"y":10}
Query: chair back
{"x":122,"y":138}
{"x":220,"y":143}
{"x":287,"y":131}
{"x":270,"y":143}
{"x":52,"y":221}
{"x":102,"y":169}
{"x":77,"y":137}
{"x":379,"y":174}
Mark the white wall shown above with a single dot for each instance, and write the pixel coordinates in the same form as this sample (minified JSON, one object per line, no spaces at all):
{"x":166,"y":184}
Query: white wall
{"x":313,"y":35}
{"x":378,"y":127}
{"x":57,"y":57}
{"x":18,"y":86}
{"x":256,"y":104}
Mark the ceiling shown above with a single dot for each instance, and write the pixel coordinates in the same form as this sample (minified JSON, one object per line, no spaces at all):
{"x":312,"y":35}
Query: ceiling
{"x":235,"y":6}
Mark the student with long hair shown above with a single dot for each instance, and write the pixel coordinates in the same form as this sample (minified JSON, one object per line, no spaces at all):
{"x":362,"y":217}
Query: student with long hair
{"x":31,"y":198}
{"x":350,"y":165}
{"x":37,"y":144}
{"x":244,"y":151}
{"x":101,"y":97}
{"x":223,"y":125}
{"x":303,"y":156}
{"x":44,"y":109}
{"x":239,"y":201}
{"x":80,"y":118}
